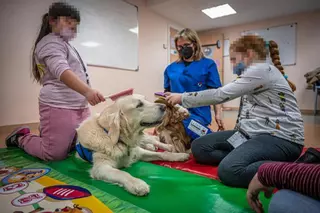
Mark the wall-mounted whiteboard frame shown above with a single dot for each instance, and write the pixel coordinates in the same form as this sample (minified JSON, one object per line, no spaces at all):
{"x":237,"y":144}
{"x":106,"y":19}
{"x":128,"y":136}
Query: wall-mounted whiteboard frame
{"x":108,"y":33}
{"x":286,"y":38}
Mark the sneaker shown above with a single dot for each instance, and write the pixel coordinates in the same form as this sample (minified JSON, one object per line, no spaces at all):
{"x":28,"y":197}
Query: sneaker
{"x":310,"y":156}
{"x":12,"y":139}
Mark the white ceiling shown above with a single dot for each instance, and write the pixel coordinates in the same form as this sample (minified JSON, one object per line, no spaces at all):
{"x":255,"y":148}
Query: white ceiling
{"x":188,"y":12}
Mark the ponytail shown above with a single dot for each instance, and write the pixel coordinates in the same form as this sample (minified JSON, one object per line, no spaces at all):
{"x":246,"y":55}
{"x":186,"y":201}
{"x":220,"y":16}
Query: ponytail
{"x":275,"y":57}
{"x":56,"y":10}
{"x":45,"y":30}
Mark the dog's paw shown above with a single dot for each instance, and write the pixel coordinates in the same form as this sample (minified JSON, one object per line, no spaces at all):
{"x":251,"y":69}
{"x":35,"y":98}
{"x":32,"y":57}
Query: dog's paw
{"x":175,"y":156}
{"x":137,"y":187}
{"x":151,"y":147}
{"x":167,"y":147}
{"x":182,"y":156}
{"x":170,"y":148}
{"x":184,"y":112}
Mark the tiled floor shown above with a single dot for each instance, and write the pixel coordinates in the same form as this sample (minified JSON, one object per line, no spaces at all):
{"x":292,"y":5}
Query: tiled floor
{"x":311,"y":130}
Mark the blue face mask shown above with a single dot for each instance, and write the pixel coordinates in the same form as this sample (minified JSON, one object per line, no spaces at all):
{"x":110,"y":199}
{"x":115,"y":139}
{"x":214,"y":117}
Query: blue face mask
{"x":239,"y":68}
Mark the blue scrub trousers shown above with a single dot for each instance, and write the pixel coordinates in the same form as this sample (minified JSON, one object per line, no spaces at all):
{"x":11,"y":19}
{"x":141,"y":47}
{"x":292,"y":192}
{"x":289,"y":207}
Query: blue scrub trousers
{"x":192,"y":132}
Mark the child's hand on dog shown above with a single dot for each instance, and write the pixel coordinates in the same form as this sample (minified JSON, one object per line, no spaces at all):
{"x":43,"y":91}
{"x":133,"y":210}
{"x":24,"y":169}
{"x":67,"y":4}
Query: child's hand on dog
{"x":173,"y":98}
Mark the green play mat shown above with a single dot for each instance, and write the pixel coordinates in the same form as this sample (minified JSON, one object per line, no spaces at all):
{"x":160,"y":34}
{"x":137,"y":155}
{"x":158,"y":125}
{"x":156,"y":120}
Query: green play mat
{"x":171,"y":191}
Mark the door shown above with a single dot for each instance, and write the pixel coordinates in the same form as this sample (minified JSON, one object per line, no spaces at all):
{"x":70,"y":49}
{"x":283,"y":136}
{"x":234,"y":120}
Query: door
{"x":208,"y":42}
{"x":173,"y":52}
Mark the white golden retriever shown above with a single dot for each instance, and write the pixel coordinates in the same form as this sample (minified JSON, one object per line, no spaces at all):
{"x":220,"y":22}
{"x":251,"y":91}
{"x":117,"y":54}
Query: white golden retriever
{"x":121,"y":144}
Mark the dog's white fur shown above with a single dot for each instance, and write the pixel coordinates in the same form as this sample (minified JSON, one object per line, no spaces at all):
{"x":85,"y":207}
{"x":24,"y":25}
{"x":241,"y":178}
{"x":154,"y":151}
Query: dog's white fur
{"x":125,"y":120}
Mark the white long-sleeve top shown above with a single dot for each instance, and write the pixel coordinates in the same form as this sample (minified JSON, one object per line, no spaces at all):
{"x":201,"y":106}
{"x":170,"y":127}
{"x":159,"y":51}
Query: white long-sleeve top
{"x":268,"y":103}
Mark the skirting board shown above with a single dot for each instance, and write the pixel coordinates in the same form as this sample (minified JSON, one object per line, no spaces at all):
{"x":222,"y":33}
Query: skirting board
{"x":9,"y":128}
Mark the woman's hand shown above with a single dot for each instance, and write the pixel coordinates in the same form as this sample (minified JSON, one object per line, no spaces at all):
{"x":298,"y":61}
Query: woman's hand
{"x":255,"y":187}
{"x":173,"y":98}
{"x":94,"y":97}
{"x":219,"y":121}
{"x":218,"y":117}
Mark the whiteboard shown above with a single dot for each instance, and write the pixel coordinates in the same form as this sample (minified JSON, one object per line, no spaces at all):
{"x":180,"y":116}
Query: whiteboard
{"x":285,"y":37}
{"x":108,"y":33}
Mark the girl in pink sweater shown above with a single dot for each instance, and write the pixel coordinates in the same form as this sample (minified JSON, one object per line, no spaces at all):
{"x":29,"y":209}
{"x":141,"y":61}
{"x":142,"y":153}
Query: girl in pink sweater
{"x":66,"y":91}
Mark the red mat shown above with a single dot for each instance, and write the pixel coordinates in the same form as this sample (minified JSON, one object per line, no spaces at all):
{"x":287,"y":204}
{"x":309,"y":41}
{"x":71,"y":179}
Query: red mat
{"x":193,"y":167}
{"x":189,"y":166}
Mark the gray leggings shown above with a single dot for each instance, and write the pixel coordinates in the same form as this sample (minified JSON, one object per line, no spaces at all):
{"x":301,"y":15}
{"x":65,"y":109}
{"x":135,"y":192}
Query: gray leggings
{"x":238,"y":166}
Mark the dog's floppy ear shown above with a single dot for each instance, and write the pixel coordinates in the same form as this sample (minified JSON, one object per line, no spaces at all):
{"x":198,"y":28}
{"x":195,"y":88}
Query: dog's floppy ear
{"x":109,"y":119}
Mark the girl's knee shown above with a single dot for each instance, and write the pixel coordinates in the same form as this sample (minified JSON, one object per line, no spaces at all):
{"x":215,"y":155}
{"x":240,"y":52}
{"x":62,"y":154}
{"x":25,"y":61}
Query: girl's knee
{"x":234,"y":175}
{"x":225,"y":173}
{"x":204,"y":152}
{"x":57,"y":152}
{"x":198,"y":151}
{"x":196,"y":147}
{"x":54,"y":156}
{"x":231,"y":175}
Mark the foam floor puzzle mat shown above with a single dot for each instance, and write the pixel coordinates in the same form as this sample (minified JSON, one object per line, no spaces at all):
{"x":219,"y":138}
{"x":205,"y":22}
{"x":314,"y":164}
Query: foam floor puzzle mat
{"x":29,"y":185}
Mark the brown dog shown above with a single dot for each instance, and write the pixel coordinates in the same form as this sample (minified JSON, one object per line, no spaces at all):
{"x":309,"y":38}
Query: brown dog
{"x":171,"y":130}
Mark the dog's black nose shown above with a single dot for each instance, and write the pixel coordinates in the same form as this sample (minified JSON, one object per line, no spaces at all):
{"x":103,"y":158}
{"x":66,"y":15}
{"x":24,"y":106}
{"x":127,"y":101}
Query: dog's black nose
{"x":163,"y":107}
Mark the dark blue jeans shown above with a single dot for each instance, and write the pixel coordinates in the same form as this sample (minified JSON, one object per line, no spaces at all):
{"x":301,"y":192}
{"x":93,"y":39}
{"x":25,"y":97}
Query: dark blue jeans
{"x":238,"y":166}
{"x":289,"y":201}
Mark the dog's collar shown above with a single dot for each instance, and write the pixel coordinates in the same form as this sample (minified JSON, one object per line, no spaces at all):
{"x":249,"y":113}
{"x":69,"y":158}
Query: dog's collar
{"x":84,"y":153}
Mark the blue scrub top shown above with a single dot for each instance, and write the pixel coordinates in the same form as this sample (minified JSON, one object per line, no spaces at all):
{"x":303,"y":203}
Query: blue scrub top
{"x":196,"y":76}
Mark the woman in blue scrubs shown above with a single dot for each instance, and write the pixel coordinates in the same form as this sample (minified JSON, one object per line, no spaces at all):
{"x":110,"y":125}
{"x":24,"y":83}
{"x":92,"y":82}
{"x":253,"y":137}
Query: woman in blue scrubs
{"x":193,"y":72}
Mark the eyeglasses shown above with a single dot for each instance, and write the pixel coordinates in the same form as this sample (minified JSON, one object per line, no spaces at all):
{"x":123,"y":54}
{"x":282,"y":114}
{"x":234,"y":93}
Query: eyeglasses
{"x":183,"y":46}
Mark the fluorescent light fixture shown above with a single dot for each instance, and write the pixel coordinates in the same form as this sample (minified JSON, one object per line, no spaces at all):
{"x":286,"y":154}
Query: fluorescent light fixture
{"x":219,"y":11}
{"x":90,"y":44}
{"x":134,"y":30}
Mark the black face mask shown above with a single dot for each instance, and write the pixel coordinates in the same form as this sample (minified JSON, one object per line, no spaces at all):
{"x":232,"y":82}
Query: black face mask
{"x":186,"y":52}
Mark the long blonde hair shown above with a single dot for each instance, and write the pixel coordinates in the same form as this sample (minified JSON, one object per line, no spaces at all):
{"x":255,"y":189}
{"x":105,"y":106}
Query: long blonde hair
{"x":192,"y":36}
{"x":262,"y":48}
